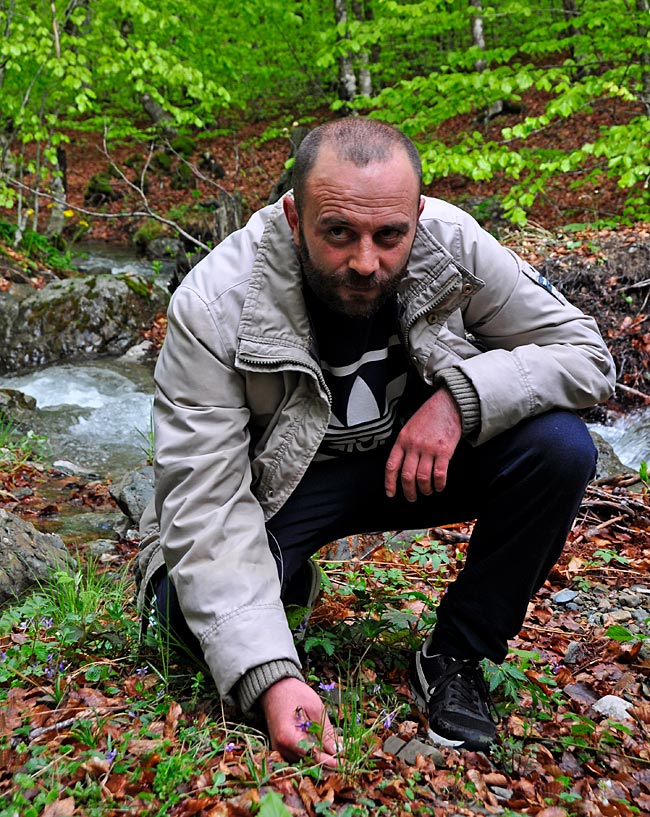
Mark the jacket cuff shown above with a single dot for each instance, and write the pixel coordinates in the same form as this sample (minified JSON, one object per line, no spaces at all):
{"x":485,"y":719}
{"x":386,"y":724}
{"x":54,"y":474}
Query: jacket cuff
{"x":464,"y":393}
{"x":257,"y":680}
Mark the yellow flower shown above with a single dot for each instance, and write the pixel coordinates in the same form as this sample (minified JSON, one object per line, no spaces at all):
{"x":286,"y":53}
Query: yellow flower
{"x":68,"y":213}
{"x":30,"y":212}
{"x":83,"y":222}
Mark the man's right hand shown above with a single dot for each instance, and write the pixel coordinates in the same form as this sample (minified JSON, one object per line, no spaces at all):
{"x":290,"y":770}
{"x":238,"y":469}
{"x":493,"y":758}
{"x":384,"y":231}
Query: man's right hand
{"x":289,"y":706}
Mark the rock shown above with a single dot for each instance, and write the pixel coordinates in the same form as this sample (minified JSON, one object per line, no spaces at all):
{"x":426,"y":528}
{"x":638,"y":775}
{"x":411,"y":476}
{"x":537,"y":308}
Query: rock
{"x":417,"y":747}
{"x":132,"y":492}
{"x":564,"y":596}
{"x":101,"y":547}
{"x":18,"y":407}
{"x":109,"y":524}
{"x":394,"y":745}
{"x":74,"y":470}
{"x":26,"y":556}
{"x":609,"y":465}
{"x":163,"y":247}
{"x":613,"y":707}
{"x":77,"y":318}
{"x":502,"y":794}
{"x":140,"y":352}
{"x":575,"y":653}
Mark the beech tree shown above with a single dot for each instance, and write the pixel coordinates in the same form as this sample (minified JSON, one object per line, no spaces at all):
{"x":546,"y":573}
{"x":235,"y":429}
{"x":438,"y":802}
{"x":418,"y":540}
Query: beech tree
{"x":132,"y":68}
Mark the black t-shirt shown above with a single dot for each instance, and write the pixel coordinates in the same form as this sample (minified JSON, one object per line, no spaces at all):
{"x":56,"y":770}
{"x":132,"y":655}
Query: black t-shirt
{"x":365,"y":368}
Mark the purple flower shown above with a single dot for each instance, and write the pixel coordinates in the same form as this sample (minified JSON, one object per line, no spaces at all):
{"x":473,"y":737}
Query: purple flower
{"x":3,"y":655}
{"x":46,"y":623}
{"x":110,"y":756}
{"x":229,"y":746}
{"x":142,"y":671}
{"x":327,"y":687}
{"x":304,"y":726}
{"x":388,"y":719}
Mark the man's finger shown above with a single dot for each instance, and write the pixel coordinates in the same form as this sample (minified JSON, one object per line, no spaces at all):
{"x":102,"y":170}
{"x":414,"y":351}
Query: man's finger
{"x":393,"y":464}
{"x":423,"y":475}
{"x":440,"y":473}
{"x":409,"y":471}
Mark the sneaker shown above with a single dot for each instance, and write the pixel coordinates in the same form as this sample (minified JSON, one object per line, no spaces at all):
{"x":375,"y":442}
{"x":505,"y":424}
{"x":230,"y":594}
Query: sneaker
{"x":300,"y":597}
{"x":454,"y":697}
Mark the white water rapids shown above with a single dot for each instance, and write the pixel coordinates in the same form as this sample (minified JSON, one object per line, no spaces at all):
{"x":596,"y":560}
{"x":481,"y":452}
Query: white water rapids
{"x":96,"y":414}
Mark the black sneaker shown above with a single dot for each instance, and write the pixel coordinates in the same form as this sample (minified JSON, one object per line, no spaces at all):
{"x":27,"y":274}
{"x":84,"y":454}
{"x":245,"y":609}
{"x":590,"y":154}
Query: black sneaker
{"x":453,"y":695}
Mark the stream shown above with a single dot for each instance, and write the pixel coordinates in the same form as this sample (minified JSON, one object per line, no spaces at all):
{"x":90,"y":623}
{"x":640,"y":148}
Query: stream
{"x":98,"y":414}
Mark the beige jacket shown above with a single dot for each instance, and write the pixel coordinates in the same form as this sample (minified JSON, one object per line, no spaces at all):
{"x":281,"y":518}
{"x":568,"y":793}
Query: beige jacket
{"x":241,"y":405}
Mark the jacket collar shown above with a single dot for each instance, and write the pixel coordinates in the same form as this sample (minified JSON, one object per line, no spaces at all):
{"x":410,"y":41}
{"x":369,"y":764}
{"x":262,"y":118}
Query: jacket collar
{"x":274,"y":322}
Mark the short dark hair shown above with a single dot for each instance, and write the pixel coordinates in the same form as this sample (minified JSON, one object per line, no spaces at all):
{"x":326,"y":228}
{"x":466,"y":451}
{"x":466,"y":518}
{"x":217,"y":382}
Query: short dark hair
{"x":355,"y":139}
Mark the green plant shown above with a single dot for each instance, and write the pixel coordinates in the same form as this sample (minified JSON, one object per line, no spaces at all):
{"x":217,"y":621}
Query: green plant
{"x":148,"y":439}
{"x":17,"y":447}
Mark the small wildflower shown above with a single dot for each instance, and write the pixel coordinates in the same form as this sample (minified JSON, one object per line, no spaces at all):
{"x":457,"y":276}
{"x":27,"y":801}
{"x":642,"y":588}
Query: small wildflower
{"x":30,"y":212}
{"x":376,"y":689}
{"x":389,"y":717}
{"x":229,"y":746}
{"x":304,"y":726}
{"x":47,"y":623}
{"x":327,"y":687}
{"x":142,"y":671}
{"x":110,"y":756}
{"x":68,"y":213}
{"x":83,"y":222}
{"x":3,"y":655}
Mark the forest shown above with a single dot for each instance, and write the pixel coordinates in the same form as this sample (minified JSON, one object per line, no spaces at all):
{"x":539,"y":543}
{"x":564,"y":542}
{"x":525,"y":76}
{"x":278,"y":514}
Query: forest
{"x":128,"y":121}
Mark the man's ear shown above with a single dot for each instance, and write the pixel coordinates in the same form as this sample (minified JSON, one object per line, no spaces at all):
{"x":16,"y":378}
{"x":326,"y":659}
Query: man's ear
{"x":291,"y":215}
{"x":421,"y":207}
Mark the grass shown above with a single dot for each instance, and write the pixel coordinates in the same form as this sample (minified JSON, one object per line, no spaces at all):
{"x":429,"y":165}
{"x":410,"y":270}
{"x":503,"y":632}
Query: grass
{"x":93,"y":719}
{"x":18,"y":446}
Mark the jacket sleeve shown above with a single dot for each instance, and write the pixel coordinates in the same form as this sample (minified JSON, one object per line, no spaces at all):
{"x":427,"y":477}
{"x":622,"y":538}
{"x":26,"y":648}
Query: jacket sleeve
{"x":538,"y":351}
{"x":211,"y":526}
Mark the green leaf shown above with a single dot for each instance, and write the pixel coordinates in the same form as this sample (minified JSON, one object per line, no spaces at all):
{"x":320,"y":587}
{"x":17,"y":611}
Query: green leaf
{"x":619,"y":633}
{"x":272,"y":805}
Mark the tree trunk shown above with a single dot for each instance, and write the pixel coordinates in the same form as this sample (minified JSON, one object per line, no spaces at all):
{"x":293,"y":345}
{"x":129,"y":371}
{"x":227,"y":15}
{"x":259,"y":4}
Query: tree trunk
{"x":643,"y":6}
{"x":347,"y":79}
{"x":478,"y":34}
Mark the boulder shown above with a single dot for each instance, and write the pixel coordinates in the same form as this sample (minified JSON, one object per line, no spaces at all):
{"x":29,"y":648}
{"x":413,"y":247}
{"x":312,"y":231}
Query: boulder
{"x":79,"y":318}
{"x":26,"y":556}
{"x":133,"y":491}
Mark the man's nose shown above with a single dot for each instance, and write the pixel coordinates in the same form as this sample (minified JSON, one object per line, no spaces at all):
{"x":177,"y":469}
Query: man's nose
{"x":364,"y":259}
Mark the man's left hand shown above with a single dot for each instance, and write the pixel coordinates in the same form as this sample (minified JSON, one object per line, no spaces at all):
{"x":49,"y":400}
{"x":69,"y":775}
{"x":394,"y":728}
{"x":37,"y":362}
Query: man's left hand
{"x":424,"y":447}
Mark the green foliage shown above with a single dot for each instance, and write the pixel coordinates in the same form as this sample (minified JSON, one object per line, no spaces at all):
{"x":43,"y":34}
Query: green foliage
{"x":18,"y":447}
{"x":99,"y":66}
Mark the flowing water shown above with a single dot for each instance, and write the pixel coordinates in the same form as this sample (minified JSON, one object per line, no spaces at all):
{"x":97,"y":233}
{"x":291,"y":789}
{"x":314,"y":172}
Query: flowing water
{"x":96,"y":414}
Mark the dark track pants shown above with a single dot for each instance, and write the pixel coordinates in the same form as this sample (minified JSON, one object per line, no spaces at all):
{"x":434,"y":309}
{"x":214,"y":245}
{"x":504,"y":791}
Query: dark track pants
{"x":523,"y":487}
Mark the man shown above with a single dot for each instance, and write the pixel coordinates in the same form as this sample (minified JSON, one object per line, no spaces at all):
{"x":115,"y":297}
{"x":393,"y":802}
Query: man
{"x":361,"y":358}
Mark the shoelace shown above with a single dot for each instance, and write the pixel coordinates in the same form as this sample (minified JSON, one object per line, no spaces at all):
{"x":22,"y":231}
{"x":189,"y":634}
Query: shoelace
{"x":467,"y":688}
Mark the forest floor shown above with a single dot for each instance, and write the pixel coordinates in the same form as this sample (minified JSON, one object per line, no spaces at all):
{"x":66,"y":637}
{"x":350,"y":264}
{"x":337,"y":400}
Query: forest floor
{"x":93,"y":723}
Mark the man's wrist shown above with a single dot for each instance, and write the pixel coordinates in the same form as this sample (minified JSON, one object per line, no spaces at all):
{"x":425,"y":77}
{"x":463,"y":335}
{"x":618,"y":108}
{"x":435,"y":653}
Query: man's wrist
{"x":258,"y":679}
{"x":465,"y":396}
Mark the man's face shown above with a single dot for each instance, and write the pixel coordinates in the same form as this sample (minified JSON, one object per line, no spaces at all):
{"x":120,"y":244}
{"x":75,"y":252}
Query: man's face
{"x":356,"y":230}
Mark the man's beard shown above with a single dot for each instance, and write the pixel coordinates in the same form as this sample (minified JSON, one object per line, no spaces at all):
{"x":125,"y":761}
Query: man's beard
{"x":325,"y":286}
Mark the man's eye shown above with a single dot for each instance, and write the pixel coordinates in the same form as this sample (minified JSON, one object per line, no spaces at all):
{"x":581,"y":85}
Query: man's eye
{"x":338,"y":232}
{"x":389,"y":234}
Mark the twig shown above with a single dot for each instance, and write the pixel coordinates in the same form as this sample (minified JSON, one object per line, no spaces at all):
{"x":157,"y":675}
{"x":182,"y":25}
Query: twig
{"x":635,"y":392}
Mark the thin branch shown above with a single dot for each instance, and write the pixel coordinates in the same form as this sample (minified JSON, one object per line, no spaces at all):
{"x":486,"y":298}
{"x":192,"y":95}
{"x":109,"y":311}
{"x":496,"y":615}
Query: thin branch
{"x":634,"y":392}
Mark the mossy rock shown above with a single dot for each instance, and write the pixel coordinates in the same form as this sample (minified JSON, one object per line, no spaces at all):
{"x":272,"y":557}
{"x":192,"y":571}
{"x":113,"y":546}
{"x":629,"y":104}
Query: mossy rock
{"x":182,"y":178}
{"x":100,"y":190}
{"x":184,"y":145}
{"x":162,"y":161}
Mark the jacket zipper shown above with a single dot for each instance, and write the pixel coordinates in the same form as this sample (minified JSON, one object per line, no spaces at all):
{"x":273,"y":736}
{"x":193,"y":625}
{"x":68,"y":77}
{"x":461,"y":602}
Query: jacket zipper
{"x":440,"y":297}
